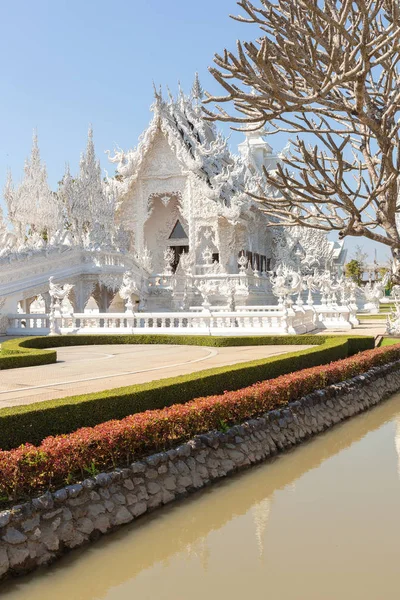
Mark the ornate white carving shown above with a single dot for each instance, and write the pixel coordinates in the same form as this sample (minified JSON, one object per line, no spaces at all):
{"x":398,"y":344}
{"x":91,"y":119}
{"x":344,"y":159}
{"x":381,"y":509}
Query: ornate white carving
{"x":57,"y":295}
{"x":128,"y":288}
{"x":169,"y":257}
{"x":111,"y":281}
{"x":207,"y":255}
{"x":285,"y":283}
{"x":32,"y":206}
{"x":393,"y":319}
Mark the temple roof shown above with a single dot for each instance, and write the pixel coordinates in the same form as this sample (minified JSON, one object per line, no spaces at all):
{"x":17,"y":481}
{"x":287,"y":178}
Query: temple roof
{"x":198,"y":146}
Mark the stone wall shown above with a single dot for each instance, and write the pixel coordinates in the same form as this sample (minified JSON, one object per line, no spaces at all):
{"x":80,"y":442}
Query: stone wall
{"x":39,"y":531}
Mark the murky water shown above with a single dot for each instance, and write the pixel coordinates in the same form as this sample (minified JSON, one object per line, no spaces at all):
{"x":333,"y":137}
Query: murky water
{"x":320,"y":523}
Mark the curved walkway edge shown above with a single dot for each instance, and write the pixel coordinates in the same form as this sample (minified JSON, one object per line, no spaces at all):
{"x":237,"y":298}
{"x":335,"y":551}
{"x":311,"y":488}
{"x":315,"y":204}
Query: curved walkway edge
{"x":39,"y":531}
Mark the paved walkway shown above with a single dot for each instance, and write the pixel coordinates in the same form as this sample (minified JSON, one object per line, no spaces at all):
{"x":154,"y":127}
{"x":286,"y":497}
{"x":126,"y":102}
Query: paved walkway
{"x":83,"y":369}
{"x":370,"y":327}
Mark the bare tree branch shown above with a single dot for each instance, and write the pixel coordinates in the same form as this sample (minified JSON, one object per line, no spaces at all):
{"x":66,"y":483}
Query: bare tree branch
{"x":326,"y":71}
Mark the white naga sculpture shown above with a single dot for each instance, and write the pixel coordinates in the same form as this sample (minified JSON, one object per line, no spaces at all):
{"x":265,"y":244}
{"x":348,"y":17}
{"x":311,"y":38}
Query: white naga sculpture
{"x":57,"y":295}
{"x":374,"y":292}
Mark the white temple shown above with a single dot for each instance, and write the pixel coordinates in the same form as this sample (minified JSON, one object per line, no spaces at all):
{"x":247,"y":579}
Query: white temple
{"x":175,"y":215}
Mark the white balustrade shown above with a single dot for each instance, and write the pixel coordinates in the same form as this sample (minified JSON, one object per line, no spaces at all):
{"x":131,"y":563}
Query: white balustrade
{"x":335,"y":317}
{"x":263,"y":320}
{"x":28,"y":324}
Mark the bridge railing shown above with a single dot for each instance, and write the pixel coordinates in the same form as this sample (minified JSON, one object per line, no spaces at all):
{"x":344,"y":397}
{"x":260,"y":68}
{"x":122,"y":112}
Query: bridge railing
{"x":279,"y":321}
{"x":28,"y":324}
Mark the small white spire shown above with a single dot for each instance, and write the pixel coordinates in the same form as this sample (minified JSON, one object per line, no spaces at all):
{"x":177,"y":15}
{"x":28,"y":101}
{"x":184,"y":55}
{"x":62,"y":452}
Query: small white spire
{"x":197,"y":90}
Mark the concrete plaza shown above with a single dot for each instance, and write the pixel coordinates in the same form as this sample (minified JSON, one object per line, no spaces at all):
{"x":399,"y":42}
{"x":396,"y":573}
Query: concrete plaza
{"x":84,"y":369}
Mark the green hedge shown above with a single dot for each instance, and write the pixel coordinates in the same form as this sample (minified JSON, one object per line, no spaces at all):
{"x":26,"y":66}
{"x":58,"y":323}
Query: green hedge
{"x":32,"y":423}
{"x":33,"y":351}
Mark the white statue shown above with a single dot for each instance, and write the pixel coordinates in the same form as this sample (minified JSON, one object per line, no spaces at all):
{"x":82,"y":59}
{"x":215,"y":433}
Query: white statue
{"x":127,"y":289}
{"x":169,"y":257}
{"x":285,"y":283}
{"x":57,"y":295}
{"x":393,"y":319}
{"x":374,"y":292}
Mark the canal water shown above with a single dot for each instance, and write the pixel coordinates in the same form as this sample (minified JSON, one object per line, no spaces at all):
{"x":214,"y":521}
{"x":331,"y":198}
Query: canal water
{"x":319,"y":523}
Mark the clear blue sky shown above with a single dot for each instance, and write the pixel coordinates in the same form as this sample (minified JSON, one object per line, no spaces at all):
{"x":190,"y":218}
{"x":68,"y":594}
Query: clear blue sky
{"x":68,"y":63}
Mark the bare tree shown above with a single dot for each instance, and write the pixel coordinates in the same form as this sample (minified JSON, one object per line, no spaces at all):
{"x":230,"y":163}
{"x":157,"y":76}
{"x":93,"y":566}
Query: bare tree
{"x":328,"y":72}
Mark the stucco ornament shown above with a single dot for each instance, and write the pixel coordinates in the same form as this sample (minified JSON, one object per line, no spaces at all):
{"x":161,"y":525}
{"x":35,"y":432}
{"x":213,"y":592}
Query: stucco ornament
{"x":57,"y":295}
{"x":207,"y":288}
{"x":393,"y":319}
{"x":186,"y":263}
{"x":374,"y":292}
{"x":304,"y":249}
{"x":89,"y":201}
{"x":327,"y":287}
{"x":127,"y":290}
{"x":169,"y":257}
{"x":32,"y":206}
{"x":243,"y":262}
{"x":233,"y":290}
{"x":285,"y":283}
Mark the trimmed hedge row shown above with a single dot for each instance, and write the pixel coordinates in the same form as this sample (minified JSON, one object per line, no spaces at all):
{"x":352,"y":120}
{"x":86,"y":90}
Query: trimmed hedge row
{"x":33,"y":422}
{"x":33,"y":351}
{"x":29,"y":470}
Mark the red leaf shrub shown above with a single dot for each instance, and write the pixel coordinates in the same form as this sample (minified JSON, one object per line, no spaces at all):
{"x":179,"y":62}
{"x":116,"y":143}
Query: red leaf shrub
{"x":30,"y":469}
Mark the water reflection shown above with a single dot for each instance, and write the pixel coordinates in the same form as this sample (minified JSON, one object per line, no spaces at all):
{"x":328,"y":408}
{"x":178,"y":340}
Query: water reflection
{"x":319,"y":523}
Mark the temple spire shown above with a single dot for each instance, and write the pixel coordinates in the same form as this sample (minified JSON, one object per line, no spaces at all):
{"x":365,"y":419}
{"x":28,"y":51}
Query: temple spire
{"x":32,"y":207}
{"x":90,"y":207}
{"x":197,"y":90}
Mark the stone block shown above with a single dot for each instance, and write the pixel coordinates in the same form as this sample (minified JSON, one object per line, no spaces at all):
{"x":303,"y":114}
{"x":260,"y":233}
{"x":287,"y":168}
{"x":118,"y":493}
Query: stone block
{"x":4,"y":518}
{"x":131,"y":499}
{"x":30,"y":524}
{"x":102,"y":523}
{"x":167,"y":496}
{"x":153,"y":487}
{"x":138,"y":509}
{"x":4,"y":562}
{"x":14,"y":537}
{"x":109,"y":505}
{"x":122,"y":516}
{"x":50,"y":540}
{"x":155,"y":500}
{"x":185,"y":481}
{"x":44,"y":502}
{"x":169,"y":483}
{"x":18,"y":556}
{"x":102,"y":479}
{"x":94,"y":510}
{"x":66,"y":514}
{"x":74,"y":490}
{"x":138,"y":467}
{"x":128,"y":484}
{"x":118,"y":498}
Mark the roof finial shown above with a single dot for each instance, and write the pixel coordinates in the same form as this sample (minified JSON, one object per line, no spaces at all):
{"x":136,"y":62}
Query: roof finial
{"x":197,"y":90}
{"x":170,"y":96}
{"x":157,"y":94}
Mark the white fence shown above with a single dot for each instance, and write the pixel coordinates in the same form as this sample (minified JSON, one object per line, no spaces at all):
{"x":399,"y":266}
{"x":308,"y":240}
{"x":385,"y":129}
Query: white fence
{"x":260,"y":321}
